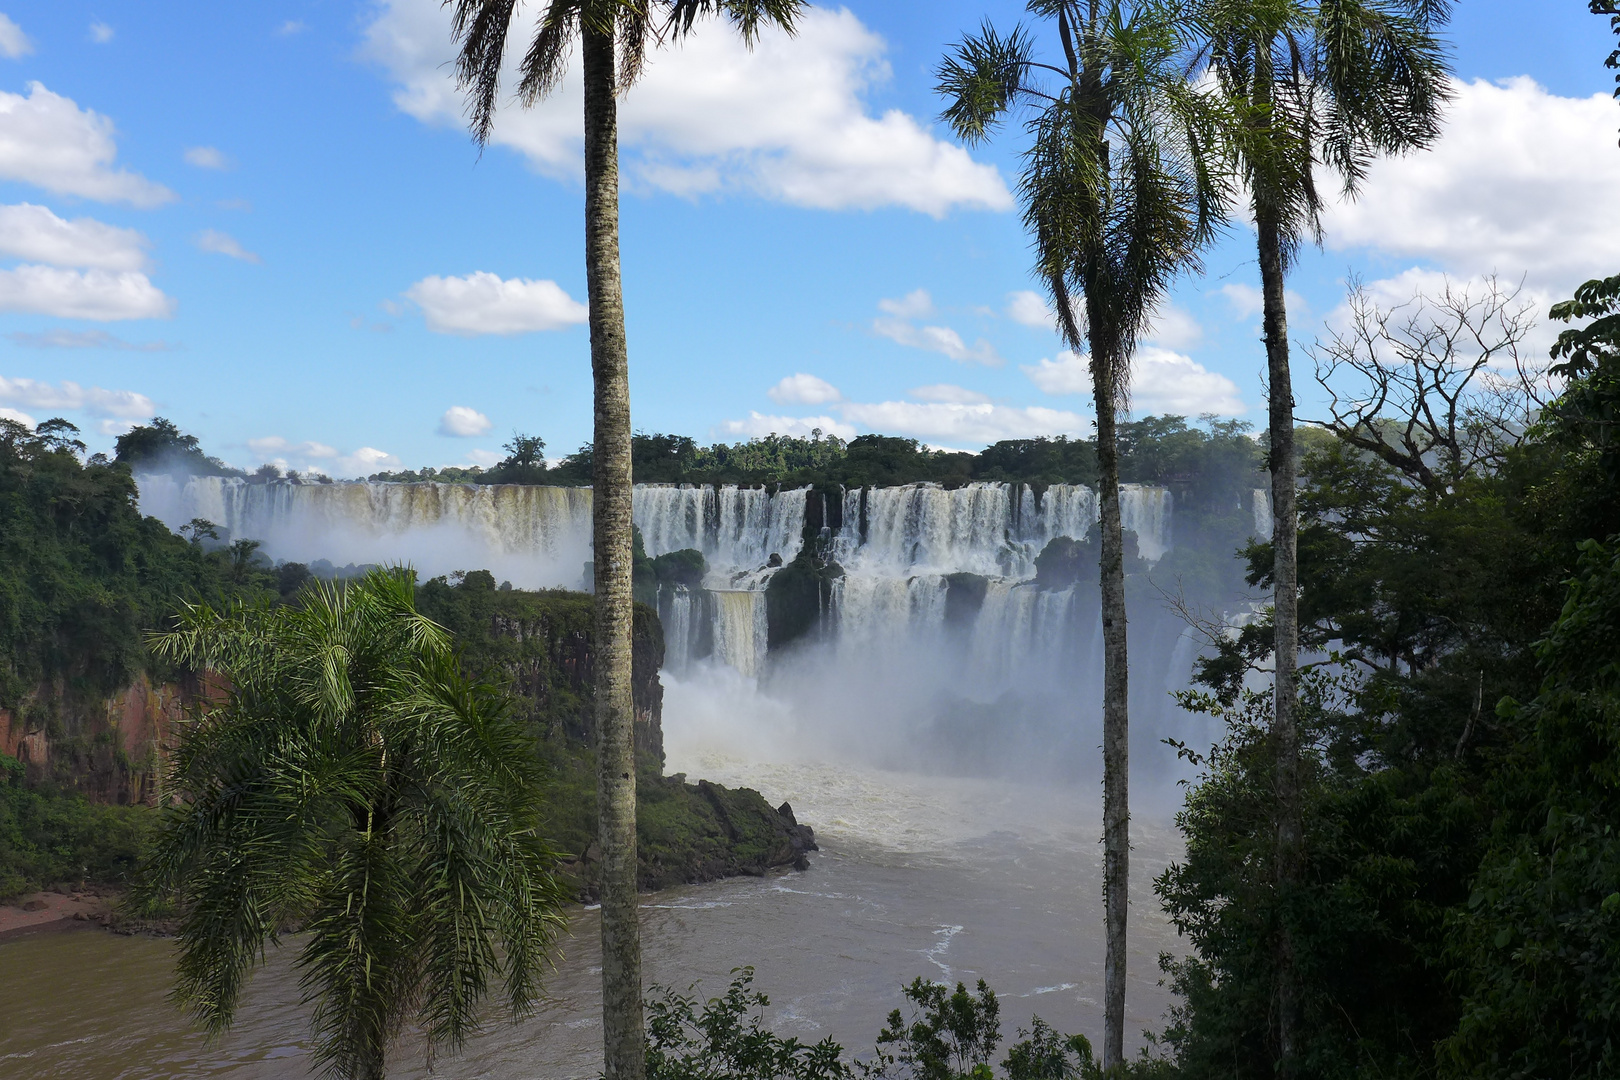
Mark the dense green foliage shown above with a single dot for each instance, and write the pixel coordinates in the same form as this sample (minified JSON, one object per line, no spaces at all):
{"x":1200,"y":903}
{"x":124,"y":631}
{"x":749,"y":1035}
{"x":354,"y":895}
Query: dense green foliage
{"x":1459,"y":913}
{"x":1154,"y":450}
{"x":51,"y":836}
{"x":536,"y":647}
{"x":357,"y":782}
{"x":942,"y":1034}
{"x":82,"y":573}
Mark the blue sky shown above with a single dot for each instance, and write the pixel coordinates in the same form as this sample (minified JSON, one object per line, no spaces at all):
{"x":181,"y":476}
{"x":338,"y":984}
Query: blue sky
{"x":265,"y":222}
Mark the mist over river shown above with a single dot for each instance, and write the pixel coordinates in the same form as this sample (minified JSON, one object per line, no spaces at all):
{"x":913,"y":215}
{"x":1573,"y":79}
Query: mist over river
{"x":947,"y":878}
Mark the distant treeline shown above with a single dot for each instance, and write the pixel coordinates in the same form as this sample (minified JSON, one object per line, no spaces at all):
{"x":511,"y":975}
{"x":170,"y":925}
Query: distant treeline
{"x":1154,"y":450}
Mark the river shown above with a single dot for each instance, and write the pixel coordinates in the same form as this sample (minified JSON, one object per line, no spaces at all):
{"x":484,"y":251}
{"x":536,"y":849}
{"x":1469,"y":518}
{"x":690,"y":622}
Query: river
{"x":945,"y":877}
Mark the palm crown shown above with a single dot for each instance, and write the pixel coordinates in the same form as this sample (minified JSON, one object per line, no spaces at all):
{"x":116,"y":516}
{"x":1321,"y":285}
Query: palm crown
{"x":1121,"y":185}
{"x":482,"y":27}
{"x":354,"y":782}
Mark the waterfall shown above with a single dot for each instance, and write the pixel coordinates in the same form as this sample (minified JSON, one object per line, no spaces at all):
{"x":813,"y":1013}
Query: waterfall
{"x":900,"y":547}
{"x":1146,"y":512}
{"x":536,"y":535}
{"x":1262,"y":513}
{"x":736,"y":528}
{"x":739,"y":629}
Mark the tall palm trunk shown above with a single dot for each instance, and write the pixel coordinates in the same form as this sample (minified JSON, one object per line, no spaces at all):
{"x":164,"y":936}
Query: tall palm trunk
{"x":622,"y":1035}
{"x":1116,"y":714}
{"x":1285,"y":601}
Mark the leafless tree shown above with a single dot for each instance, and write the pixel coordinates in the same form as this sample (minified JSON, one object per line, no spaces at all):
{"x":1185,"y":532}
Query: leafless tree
{"x":1440,"y":386}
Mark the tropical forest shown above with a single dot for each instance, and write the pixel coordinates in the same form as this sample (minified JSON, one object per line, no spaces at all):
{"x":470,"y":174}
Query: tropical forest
{"x":461,"y":658}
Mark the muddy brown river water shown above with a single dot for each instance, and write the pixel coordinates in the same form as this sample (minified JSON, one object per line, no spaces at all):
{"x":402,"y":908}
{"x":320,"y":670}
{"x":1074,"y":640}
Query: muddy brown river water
{"x":951,"y":879}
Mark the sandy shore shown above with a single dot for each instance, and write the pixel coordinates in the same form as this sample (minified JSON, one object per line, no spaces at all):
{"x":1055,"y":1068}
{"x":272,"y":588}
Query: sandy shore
{"x":38,"y":910}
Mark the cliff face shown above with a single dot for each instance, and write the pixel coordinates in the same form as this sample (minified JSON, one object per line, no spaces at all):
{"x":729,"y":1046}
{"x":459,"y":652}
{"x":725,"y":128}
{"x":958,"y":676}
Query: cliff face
{"x":539,"y":646}
{"x":109,"y":749}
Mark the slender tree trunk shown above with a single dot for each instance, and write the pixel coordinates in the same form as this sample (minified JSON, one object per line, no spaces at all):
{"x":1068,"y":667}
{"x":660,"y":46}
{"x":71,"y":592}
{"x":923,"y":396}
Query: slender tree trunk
{"x":622,"y":1035}
{"x":1116,"y":714}
{"x":1285,"y":708}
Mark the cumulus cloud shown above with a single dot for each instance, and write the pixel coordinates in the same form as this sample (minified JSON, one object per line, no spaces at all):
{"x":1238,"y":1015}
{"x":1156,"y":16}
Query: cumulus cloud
{"x":460,"y":422}
{"x":961,"y":424}
{"x":1247,"y":301}
{"x":943,"y":415}
{"x":802,"y":389}
{"x":13,"y":42}
{"x":1173,"y":328}
{"x":483,"y":303}
{"x":898,"y":325}
{"x":206,"y":157}
{"x":71,"y":397}
{"x":1162,"y":381}
{"x":802,"y":427}
{"x":319,"y":457}
{"x":212,"y":240}
{"x":19,"y":416}
{"x":949,"y":394}
{"x":1029,"y":308}
{"x":1521,"y":181}
{"x":35,"y":233}
{"x":917,"y":304}
{"x":102,"y":295}
{"x":100,"y":33}
{"x":61,"y":338}
{"x":786,"y":120}
{"x":48,"y":141}
{"x":484,"y":458}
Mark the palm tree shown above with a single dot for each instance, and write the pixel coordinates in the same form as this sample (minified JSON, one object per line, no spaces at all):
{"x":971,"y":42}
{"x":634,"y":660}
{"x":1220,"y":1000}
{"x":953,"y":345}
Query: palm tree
{"x":354,"y":782}
{"x":1323,"y":84}
{"x":1119,"y":192}
{"x":603,"y":28}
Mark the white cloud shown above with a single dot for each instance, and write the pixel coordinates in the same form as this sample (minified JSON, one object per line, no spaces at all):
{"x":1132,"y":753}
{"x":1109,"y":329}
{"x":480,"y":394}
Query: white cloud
{"x":292,"y":26}
{"x":949,"y":394}
{"x":207,"y":157}
{"x":71,"y":397}
{"x":482,"y":303}
{"x":19,"y":416}
{"x":916,"y":304}
{"x":758,"y":425}
{"x":48,"y":141}
{"x":1161,"y":382}
{"x":60,"y":338}
{"x":1174,"y":328}
{"x":460,"y":422}
{"x":212,"y":240}
{"x":1247,"y":301}
{"x":787,"y":120}
{"x":940,"y":339}
{"x":1522,"y":181}
{"x":1068,"y":374}
{"x":101,"y":295}
{"x":13,"y":42}
{"x":1029,"y":309}
{"x":802,"y":389}
{"x":35,"y":233}
{"x":964,"y":424}
{"x":1168,"y":382}
{"x":100,"y":33}
{"x":314,"y":456}
{"x":896,"y":324}
{"x":114,"y":428}
{"x":485,"y":458}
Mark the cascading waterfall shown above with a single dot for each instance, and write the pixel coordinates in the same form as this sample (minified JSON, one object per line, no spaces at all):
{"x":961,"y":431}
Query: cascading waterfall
{"x":735,"y":528}
{"x":740,"y":629}
{"x":901,"y":548}
{"x":1262,"y":513}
